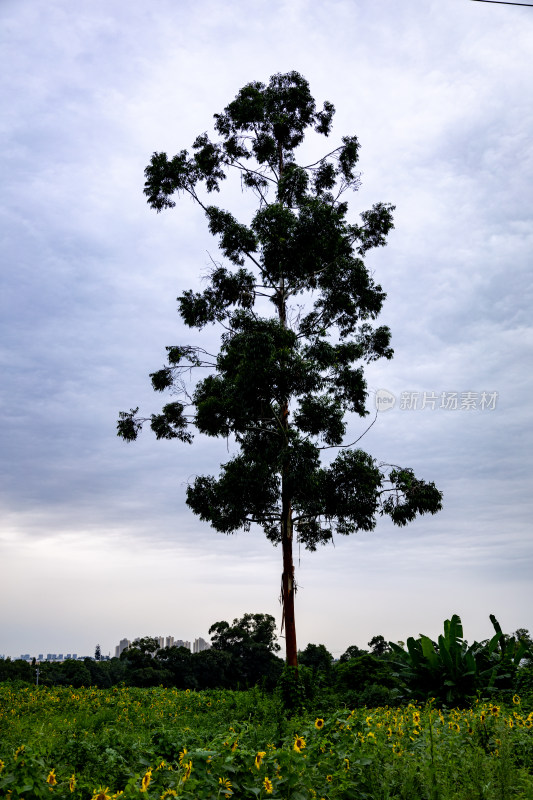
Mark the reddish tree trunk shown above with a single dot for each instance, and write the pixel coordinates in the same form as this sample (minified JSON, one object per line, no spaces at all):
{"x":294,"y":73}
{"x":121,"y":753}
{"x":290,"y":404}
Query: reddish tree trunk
{"x":288,"y":587}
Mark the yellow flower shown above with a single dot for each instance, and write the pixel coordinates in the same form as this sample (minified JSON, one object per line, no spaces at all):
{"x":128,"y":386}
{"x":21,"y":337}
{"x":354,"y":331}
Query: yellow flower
{"x":187,"y":772}
{"x":51,"y":780}
{"x":101,"y":794}
{"x":259,"y":757}
{"x":182,"y":755}
{"x":2,"y":765}
{"x":299,"y":744}
{"x":146,"y":781}
{"x":169,"y":793}
{"x":329,"y":778}
{"x":319,"y":724}
{"x":72,"y":782}
{"x":516,"y":700}
{"x":234,"y":745}
{"x":19,"y":751}
{"x":268,"y":786}
{"x":225,"y":786}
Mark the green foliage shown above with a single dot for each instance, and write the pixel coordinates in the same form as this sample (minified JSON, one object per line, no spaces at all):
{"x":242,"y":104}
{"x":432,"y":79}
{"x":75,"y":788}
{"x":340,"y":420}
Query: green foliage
{"x":317,"y":658}
{"x":378,"y":646}
{"x":251,"y":643}
{"x":353,"y":651}
{"x":294,"y":688}
{"x":452,"y":671}
{"x":157,"y":743}
{"x":299,"y":241}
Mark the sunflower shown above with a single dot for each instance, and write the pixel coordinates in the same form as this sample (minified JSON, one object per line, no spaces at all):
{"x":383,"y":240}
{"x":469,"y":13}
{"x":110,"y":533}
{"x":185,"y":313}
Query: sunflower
{"x":187,"y":772}
{"x":51,"y":780}
{"x":18,"y":752}
{"x":267,"y":783}
{"x":225,"y":786}
{"x":319,"y":724}
{"x":299,"y":744}
{"x":516,"y":700}
{"x":259,"y":757}
{"x":101,"y":794}
{"x":145,"y":783}
{"x":72,"y":782}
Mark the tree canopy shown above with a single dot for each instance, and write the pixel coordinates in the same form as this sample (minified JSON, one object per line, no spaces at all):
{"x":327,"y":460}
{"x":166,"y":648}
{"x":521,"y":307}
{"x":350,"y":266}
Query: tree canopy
{"x":282,"y":383}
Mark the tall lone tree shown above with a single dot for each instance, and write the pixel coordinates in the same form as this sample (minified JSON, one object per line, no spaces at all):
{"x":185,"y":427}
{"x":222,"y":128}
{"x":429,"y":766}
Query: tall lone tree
{"x":281,"y":384}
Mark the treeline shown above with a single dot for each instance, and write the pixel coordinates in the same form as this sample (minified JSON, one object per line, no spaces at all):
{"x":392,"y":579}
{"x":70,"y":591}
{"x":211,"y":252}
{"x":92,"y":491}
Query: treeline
{"x":244,"y":654}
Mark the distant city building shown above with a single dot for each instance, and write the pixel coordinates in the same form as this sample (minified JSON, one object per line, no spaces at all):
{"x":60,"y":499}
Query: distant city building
{"x":51,"y":657}
{"x":166,"y":641}
{"x":123,"y":645}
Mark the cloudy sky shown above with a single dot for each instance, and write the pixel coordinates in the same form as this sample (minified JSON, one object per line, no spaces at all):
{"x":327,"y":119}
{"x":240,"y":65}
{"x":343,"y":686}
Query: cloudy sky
{"x":96,"y":540}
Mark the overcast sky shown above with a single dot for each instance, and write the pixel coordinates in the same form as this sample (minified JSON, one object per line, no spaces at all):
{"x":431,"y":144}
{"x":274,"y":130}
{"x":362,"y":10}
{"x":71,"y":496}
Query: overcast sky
{"x":96,"y":541}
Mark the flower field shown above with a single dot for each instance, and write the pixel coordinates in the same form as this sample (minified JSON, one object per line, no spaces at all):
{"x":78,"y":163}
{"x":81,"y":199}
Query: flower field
{"x":99,"y":744}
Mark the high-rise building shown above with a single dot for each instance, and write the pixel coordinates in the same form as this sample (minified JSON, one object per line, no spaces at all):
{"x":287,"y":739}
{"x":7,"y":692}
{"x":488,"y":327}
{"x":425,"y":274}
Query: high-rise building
{"x":123,"y":645}
{"x":200,"y":645}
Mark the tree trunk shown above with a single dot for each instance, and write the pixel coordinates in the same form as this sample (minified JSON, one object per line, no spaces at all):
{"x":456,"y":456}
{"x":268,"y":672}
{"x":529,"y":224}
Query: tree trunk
{"x":288,"y":587}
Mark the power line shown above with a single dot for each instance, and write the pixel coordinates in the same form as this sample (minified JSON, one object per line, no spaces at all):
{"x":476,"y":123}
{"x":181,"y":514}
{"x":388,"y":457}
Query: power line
{"x":504,"y":3}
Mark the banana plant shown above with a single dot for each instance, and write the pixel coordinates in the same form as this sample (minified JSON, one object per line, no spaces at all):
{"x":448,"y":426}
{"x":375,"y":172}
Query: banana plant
{"x":451,"y":670}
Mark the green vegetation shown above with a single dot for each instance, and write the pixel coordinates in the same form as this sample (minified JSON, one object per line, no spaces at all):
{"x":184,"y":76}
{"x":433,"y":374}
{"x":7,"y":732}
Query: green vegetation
{"x":243,"y":655}
{"x":159,"y":743}
{"x":345,"y":730}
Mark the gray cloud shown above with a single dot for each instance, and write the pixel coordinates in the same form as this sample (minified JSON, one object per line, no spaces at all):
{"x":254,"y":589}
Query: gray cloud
{"x":438,"y":97}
